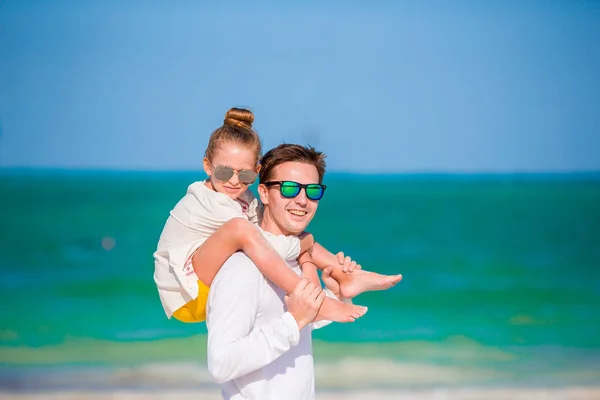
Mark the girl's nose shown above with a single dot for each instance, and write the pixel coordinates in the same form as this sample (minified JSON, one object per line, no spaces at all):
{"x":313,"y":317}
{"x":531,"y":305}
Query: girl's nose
{"x":235,"y":180}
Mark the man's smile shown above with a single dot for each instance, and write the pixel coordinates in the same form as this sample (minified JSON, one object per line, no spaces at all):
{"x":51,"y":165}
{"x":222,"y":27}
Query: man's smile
{"x":299,"y":213}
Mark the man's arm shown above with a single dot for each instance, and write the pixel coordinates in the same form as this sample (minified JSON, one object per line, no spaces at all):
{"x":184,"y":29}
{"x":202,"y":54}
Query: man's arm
{"x":235,"y":347}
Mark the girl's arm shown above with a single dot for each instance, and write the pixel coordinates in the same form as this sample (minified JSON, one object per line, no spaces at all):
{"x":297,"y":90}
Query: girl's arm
{"x":307,"y":241}
{"x":309,"y":269}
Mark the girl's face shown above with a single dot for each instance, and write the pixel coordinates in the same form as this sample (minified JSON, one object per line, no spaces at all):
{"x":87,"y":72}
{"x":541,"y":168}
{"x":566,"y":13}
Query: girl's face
{"x":236,"y":157}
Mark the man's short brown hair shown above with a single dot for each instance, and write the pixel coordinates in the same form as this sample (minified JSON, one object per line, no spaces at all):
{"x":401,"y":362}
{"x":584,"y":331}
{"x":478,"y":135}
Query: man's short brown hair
{"x":290,"y":153}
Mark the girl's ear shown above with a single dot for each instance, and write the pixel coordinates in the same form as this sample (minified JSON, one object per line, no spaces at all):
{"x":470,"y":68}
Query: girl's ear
{"x":207,"y":166}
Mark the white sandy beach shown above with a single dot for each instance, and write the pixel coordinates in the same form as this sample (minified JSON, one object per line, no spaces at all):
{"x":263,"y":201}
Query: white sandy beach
{"x":569,"y":393}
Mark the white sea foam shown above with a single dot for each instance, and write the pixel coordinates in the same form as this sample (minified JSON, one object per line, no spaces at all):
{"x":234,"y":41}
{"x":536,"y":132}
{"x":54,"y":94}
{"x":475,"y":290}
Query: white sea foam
{"x":539,"y":393}
{"x":349,"y":373}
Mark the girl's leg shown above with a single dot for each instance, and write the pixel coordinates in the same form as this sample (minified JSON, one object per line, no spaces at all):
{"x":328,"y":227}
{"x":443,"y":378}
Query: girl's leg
{"x":359,"y":281}
{"x":235,"y":235}
{"x":239,"y":234}
{"x":355,"y":283}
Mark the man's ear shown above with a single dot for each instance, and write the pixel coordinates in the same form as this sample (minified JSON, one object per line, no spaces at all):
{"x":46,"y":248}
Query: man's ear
{"x":257,"y":169}
{"x":263,"y":192}
{"x":207,"y":166}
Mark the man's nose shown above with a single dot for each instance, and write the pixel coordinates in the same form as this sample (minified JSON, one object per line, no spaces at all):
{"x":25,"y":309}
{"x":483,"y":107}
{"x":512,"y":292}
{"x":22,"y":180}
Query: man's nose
{"x":301,"y":198}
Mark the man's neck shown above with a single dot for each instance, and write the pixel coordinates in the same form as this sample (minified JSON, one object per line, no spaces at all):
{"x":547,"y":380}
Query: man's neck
{"x":268,"y":225}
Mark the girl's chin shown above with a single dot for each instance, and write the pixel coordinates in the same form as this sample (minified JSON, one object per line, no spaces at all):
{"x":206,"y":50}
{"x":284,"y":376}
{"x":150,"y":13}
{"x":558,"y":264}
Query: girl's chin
{"x":233,"y":193}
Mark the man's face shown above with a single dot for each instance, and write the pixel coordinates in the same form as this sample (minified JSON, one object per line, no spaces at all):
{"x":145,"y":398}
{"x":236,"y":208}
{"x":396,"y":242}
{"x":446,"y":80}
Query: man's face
{"x":285,"y":216}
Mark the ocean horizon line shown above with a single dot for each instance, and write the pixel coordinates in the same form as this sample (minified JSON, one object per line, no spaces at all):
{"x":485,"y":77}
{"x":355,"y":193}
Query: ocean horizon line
{"x":64,"y":171}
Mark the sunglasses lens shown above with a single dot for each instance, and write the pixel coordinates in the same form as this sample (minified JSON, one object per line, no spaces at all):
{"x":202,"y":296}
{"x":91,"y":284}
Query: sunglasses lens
{"x":247,"y":177}
{"x":223,"y":173}
{"x":289,"y":189}
{"x":315,"y":192}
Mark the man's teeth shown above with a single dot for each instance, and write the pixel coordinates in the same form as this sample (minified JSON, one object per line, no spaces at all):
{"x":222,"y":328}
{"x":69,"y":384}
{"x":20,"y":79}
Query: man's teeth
{"x":297,"y":212}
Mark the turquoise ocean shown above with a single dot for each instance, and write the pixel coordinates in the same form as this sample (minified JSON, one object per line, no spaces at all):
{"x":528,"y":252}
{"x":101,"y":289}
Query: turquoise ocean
{"x":501,"y":281}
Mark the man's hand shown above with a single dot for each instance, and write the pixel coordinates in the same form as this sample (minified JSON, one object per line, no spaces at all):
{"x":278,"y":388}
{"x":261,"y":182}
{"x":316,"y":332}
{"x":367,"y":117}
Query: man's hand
{"x":347,"y":264}
{"x":304,"y":302}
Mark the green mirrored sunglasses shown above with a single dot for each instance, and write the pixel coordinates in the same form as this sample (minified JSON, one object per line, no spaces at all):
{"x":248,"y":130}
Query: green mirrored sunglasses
{"x":290,"y":189}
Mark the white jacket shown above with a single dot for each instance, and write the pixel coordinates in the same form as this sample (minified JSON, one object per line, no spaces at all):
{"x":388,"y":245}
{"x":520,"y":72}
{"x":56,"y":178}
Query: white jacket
{"x":255,"y":350}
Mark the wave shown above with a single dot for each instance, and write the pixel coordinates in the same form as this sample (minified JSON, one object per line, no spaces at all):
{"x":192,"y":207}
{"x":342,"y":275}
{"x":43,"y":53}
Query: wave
{"x":193,"y":349}
{"x":181,"y":363}
{"x":350,"y":373}
{"x":347,"y":373}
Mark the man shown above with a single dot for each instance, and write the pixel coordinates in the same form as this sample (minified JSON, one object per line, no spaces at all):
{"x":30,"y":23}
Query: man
{"x":257,"y":347}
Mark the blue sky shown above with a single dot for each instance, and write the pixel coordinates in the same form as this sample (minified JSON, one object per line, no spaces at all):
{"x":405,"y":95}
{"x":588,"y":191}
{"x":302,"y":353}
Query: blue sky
{"x":379,"y":86}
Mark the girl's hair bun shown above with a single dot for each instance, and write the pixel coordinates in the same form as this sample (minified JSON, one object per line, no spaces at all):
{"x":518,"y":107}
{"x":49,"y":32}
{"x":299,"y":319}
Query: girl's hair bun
{"x":239,"y":118}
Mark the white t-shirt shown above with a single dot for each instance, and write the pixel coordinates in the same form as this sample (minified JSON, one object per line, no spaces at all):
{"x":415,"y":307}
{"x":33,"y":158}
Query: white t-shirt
{"x":195,"y":217}
{"x":255,"y":350}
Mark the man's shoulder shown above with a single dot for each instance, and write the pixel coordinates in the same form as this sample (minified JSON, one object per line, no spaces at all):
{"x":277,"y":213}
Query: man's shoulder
{"x":237,"y":274}
{"x":239,"y":257}
{"x":240,"y":266}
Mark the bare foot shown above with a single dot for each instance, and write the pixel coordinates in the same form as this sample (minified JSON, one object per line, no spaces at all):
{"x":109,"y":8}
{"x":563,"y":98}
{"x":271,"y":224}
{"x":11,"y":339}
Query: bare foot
{"x":359,"y":281}
{"x":337,"y":311}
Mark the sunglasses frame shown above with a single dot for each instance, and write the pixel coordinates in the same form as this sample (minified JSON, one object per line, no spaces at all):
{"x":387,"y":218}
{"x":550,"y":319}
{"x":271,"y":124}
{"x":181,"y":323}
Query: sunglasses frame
{"x":300,"y":187}
{"x":234,"y":171}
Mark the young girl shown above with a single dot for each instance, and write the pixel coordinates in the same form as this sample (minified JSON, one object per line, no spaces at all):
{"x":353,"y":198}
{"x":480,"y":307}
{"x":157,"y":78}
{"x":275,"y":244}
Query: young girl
{"x":220,"y":216}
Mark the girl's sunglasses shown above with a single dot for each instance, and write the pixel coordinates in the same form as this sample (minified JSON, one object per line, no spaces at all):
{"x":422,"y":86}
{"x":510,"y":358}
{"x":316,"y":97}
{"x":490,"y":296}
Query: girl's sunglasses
{"x":224,"y":174}
{"x":289,"y":189}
